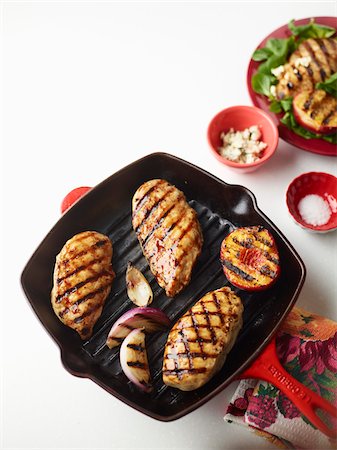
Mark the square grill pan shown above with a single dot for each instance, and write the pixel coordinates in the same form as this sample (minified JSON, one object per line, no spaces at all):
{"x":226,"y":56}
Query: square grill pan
{"x":221,"y":208}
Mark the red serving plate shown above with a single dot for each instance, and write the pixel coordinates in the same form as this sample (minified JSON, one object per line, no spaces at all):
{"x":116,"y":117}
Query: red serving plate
{"x":221,"y":208}
{"x":261,"y":101}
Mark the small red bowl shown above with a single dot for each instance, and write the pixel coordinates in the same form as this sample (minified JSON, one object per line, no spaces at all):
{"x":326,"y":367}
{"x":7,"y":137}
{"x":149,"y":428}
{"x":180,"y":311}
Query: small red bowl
{"x":240,"y":118}
{"x":318,"y":183}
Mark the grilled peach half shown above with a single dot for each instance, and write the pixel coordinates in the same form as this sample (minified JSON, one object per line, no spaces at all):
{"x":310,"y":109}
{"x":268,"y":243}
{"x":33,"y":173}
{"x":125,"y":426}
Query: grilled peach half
{"x":250,"y":259}
{"x":316,"y":111}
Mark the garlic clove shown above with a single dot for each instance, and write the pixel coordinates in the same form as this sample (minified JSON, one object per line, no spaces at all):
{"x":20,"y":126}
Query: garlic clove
{"x":138,"y":288}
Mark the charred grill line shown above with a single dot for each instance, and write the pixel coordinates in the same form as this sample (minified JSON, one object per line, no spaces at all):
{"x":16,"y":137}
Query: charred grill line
{"x":185,"y":341}
{"x":324,"y":49}
{"x":91,"y":294}
{"x":83,"y":252}
{"x":179,"y":239}
{"x":219,"y":313}
{"x":155,"y":206}
{"x":142,"y":200}
{"x":248,"y":244}
{"x":157,"y":225}
{"x":198,"y":340}
{"x":323,"y":74}
{"x":265,"y":270}
{"x":167,"y":233}
{"x":312,"y":54}
{"x":310,"y":72}
{"x":182,"y":371}
{"x":211,"y":329}
{"x":238,"y":271}
{"x":137,"y":348}
{"x":326,"y":54}
{"x":87,"y":313}
{"x":193,"y":354}
{"x":262,"y":240}
{"x":138,"y":364}
{"x":77,"y":286}
{"x":79,"y":269}
{"x":326,"y":120}
{"x":196,"y":327}
{"x":307,"y":104}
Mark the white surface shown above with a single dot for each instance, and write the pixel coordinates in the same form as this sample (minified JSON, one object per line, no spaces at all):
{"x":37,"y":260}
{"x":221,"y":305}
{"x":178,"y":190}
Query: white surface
{"x":89,"y":88}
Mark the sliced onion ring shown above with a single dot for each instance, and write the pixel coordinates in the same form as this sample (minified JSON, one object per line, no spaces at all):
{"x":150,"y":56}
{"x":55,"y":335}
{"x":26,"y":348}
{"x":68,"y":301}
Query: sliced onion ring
{"x":133,"y":359}
{"x":138,"y":288}
{"x":150,"y":319}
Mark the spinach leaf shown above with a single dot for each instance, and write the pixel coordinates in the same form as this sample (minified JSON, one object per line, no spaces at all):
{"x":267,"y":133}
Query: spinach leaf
{"x":275,"y":107}
{"x":310,"y":30}
{"x":278,"y":106}
{"x":287,"y":104}
{"x":332,"y":138}
{"x":281,"y":47}
{"x":261,"y":83}
{"x":329,"y":85}
{"x":261,"y":54}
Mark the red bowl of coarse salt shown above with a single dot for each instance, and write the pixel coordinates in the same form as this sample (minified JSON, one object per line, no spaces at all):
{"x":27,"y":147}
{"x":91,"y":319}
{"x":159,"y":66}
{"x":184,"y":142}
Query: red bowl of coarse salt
{"x":312,"y":201}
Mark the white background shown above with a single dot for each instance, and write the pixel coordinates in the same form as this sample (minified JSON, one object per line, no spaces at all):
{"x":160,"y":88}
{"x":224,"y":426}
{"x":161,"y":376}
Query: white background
{"x":87,"y":89}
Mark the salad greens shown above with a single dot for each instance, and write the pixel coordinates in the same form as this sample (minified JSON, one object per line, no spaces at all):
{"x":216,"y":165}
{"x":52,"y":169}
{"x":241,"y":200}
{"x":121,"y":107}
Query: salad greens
{"x":329,"y":85}
{"x":289,"y":121}
{"x":275,"y":54}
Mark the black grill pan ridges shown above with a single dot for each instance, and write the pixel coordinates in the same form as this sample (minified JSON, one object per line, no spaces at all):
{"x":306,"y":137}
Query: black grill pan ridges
{"x":263,"y":311}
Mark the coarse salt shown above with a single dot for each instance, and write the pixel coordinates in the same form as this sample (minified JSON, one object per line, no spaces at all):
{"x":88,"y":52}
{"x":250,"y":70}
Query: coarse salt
{"x":314,"y":210}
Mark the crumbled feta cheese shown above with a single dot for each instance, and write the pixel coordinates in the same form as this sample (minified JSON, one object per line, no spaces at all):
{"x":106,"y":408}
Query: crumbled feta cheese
{"x":277,"y":71}
{"x":242,"y":146}
{"x":304,"y":61}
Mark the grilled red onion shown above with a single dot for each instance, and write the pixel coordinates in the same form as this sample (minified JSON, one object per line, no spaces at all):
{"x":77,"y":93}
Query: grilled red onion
{"x":133,"y":359}
{"x":149,"y":319}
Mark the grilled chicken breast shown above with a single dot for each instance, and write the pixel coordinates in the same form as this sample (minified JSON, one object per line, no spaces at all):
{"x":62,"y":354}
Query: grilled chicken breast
{"x":199,"y":342}
{"x":319,"y":63}
{"x":169,"y":233}
{"x":82,"y":281}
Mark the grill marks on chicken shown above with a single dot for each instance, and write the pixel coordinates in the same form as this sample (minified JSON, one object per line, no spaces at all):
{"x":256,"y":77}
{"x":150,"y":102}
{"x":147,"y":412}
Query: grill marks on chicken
{"x":168,"y":232}
{"x":297,"y":77}
{"x":199,"y":342}
{"x":82,"y":281}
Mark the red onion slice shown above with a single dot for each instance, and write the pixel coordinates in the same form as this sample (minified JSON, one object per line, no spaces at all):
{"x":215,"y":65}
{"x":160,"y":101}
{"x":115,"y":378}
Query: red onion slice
{"x":133,"y":359}
{"x":150,"y":319}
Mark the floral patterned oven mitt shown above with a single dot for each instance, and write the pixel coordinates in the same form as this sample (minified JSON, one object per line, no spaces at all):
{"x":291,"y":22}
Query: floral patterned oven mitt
{"x":307,"y":348}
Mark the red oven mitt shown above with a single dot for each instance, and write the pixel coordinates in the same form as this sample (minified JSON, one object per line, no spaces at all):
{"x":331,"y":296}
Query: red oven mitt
{"x":307,"y":348}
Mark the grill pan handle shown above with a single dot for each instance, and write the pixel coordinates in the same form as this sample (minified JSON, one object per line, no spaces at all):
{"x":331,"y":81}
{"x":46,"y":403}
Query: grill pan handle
{"x":268,"y":368}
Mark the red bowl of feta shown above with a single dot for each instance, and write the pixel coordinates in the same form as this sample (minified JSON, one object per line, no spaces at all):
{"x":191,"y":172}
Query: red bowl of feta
{"x":312,"y":201}
{"x":242,"y":137}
